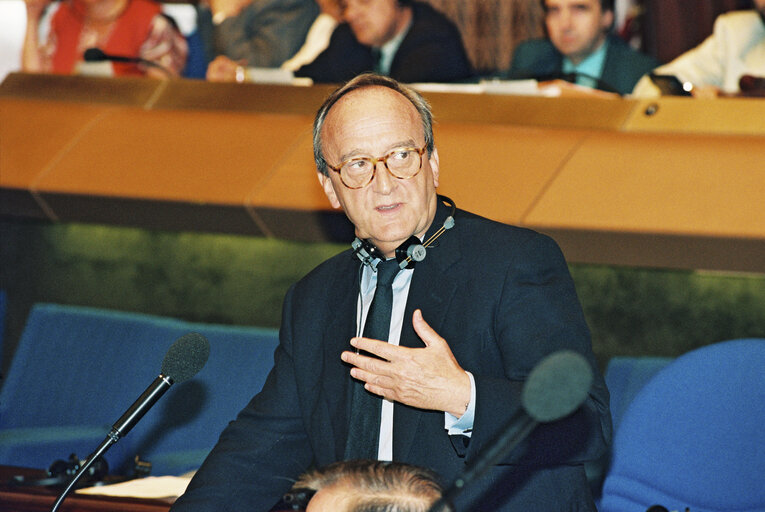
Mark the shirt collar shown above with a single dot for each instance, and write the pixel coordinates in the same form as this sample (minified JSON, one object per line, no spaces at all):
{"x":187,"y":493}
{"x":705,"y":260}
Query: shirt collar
{"x":389,"y":49}
{"x":590,"y":66}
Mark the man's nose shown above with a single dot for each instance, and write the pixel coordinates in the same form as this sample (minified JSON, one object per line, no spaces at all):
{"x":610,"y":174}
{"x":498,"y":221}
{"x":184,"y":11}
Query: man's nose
{"x":383,"y":180}
{"x":565,"y":18}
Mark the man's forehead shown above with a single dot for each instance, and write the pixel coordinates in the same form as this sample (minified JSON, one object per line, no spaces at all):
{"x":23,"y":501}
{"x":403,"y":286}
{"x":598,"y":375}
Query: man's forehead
{"x":370,"y":95}
{"x":572,"y":3}
{"x":367,"y":103}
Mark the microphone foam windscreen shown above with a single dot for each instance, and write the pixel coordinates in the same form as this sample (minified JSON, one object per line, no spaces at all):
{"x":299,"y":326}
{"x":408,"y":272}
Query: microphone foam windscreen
{"x":94,"y":55}
{"x":557,"y":386}
{"x":186,"y":357}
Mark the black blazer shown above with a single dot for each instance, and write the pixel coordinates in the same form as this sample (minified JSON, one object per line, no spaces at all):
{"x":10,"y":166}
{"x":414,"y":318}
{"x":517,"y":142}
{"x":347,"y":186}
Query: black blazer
{"x":502,"y":297}
{"x":623,"y":67}
{"x":432,"y":51}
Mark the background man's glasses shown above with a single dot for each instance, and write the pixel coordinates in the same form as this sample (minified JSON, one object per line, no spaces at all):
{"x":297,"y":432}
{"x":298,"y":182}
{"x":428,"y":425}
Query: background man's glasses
{"x":402,"y":163}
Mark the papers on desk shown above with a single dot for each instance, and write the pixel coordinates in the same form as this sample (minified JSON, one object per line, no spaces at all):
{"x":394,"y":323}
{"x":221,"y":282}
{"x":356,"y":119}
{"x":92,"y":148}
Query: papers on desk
{"x":277,"y":76}
{"x":155,"y":487}
{"x":549,"y":89}
{"x":519,"y":87}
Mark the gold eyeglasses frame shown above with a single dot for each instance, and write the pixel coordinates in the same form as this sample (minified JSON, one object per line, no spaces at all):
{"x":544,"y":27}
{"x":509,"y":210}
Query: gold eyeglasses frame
{"x":375,"y":161}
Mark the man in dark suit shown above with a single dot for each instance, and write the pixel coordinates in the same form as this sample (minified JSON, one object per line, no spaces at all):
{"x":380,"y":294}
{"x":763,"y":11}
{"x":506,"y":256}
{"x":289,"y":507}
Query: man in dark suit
{"x":261,"y":33}
{"x":466,"y":326}
{"x":406,"y":40}
{"x":580,"y":45}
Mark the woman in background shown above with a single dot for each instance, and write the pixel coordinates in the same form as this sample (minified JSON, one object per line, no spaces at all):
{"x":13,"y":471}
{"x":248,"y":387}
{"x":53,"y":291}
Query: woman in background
{"x":125,"y":28}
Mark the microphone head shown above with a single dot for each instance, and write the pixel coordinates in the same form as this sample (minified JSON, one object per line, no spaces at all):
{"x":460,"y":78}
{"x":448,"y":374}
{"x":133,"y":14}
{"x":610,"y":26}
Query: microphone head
{"x":94,"y":55}
{"x":557,"y":386}
{"x":186,"y":357}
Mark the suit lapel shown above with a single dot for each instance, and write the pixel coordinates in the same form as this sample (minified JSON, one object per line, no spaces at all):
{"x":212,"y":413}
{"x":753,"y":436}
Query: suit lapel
{"x":432,"y":293}
{"x":335,"y":377}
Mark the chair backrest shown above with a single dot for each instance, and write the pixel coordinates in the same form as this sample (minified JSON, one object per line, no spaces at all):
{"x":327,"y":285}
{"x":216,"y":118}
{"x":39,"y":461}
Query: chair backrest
{"x":625,"y":377}
{"x":694,"y":436}
{"x":81,"y":368}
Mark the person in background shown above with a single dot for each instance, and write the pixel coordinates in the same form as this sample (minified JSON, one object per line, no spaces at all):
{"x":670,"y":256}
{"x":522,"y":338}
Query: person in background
{"x":258,"y":33}
{"x":128,"y":28}
{"x":580,"y":44}
{"x":422,"y":364}
{"x":406,"y":40}
{"x":366,"y":486}
{"x":318,"y":36}
{"x":735,"y":49}
{"x":223,"y":69}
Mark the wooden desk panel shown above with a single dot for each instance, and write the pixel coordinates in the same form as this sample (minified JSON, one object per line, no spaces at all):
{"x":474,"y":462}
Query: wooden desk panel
{"x":34,"y":134}
{"x":614,"y":180}
{"x":686,"y":185}
{"x":499,"y":170}
{"x":199,"y":157}
{"x":16,"y":498}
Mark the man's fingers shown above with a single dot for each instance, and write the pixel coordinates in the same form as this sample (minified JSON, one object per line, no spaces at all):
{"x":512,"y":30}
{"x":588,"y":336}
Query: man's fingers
{"x":379,"y":348}
{"x":426,"y":333}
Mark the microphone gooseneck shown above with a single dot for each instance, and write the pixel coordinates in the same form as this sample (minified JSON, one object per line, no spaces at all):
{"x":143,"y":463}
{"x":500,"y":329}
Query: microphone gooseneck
{"x":98,"y":55}
{"x":185,"y":357}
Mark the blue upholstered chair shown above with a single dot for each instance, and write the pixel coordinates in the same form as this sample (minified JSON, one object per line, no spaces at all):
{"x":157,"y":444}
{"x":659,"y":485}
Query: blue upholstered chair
{"x":76,"y":370}
{"x":694,"y":436}
{"x":3,"y":308}
{"x":625,"y":377}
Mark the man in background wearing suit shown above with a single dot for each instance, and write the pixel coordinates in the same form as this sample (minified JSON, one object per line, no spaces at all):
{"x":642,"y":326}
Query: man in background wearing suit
{"x":465,"y":327}
{"x":406,"y":40}
{"x":580,"y":44}
{"x":260,"y":33}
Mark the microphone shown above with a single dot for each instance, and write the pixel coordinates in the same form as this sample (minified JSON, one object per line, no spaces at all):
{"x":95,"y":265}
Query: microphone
{"x":98,"y":55}
{"x":555,"y":388}
{"x":185,"y":357}
{"x":754,"y":85}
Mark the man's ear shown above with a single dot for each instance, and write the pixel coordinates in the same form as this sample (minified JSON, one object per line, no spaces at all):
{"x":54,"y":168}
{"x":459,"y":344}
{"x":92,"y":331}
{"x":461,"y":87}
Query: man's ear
{"x":607,"y":21}
{"x":434,"y":166}
{"x":329,"y":189}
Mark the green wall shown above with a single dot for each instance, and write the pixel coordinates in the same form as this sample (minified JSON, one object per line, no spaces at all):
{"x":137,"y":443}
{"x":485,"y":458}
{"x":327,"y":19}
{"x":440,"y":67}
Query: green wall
{"x":242,"y":280}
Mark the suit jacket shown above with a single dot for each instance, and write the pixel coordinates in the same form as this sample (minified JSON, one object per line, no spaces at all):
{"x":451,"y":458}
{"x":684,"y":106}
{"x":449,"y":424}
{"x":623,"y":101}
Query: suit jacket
{"x":502,"y":297}
{"x":623,"y":67}
{"x":264,"y":34}
{"x":432,"y":51}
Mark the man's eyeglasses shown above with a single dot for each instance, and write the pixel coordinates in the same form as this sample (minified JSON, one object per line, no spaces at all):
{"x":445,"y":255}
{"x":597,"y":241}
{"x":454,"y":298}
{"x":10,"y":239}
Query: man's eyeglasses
{"x":402,"y":163}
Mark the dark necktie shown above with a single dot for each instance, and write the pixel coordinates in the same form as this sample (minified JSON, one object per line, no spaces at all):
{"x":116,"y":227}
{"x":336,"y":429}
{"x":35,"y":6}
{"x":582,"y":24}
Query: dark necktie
{"x":376,"y":60}
{"x":364,"y":429}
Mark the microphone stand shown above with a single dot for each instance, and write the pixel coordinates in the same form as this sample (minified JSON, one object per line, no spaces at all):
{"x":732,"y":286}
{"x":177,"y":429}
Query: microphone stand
{"x":517,"y":429}
{"x":97,"y":55}
{"x":123,"y":425}
{"x":105,"y":445}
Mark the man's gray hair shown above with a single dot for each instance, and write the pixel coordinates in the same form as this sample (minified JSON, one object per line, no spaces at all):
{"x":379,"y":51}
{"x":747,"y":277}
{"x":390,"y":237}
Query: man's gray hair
{"x":378,"y":486}
{"x":370,"y":80}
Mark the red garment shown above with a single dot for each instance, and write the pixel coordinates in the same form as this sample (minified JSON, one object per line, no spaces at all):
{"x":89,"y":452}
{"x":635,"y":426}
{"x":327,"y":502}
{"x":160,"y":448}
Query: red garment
{"x":131,"y":30}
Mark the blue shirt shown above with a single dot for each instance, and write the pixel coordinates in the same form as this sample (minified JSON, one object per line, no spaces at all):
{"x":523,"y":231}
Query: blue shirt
{"x":590,"y":66}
